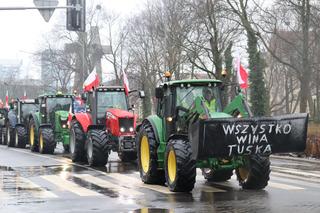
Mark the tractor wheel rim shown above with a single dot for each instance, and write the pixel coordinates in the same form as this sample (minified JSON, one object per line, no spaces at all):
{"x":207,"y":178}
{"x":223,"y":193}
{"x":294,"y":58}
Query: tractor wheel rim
{"x":72,"y":142}
{"x":243,"y":173}
{"x":17,"y":139}
{"x":89,"y":149}
{"x":172,"y":166}
{"x":41,"y":141}
{"x":144,"y":154}
{"x":32,"y":135}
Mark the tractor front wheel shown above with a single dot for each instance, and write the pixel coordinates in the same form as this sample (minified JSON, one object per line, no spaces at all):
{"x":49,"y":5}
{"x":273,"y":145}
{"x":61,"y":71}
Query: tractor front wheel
{"x":21,"y":137}
{"x":10,"y":135}
{"x":77,"y":140}
{"x":180,"y":168}
{"x":32,"y":136}
{"x":47,"y":143}
{"x":255,"y":173}
{"x":3,"y":135}
{"x":147,"y":156}
{"x":97,"y":148}
{"x":216,"y":176}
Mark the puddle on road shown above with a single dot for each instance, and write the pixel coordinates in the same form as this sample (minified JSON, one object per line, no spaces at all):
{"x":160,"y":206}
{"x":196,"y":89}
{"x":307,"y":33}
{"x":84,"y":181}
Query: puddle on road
{"x":152,"y":210}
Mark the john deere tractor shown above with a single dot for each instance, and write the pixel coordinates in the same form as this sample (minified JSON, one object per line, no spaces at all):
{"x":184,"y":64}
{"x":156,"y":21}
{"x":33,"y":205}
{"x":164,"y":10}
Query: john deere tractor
{"x":18,"y":121}
{"x":185,"y":135}
{"x":107,"y":125}
{"x":49,"y":125}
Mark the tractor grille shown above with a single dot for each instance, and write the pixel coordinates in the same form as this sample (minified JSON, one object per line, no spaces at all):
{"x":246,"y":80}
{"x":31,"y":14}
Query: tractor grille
{"x":126,"y":123}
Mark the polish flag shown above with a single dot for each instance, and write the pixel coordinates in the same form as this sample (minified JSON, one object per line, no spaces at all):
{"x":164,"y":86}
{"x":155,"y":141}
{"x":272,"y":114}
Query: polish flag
{"x":7,"y":100}
{"x":24,"y":97}
{"x":70,"y":115}
{"x":92,"y":81}
{"x":125,"y":83}
{"x":242,"y":76}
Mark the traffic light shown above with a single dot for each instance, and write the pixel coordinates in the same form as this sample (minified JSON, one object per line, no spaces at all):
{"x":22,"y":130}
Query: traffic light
{"x":76,"y":16}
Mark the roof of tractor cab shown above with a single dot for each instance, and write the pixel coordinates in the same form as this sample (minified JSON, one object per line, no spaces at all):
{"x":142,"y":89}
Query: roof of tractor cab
{"x":58,"y":95}
{"x":192,"y":81}
{"x":110,"y":88}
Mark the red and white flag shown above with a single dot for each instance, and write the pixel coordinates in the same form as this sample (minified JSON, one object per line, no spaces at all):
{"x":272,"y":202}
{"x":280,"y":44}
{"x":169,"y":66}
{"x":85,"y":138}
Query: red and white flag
{"x":24,"y":97}
{"x":7,"y":100}
{"x":92,"y":81}
{"x":242,"y":76}
{"x":125,"y":83}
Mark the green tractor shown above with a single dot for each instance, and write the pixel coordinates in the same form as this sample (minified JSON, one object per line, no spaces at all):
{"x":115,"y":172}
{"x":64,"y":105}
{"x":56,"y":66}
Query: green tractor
{"x":185,"y":135}
{"x":50,"y":125}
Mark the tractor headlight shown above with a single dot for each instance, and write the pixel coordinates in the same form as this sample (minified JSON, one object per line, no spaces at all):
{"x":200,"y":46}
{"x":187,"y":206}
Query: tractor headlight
{"x":131,"y":129}
{"x":64,"y":126}
{"x":122,"y":129}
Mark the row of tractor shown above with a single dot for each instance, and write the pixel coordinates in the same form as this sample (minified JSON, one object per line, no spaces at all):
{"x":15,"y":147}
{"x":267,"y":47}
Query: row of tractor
{"x":191,"y":129}
{"x":89,"y":127}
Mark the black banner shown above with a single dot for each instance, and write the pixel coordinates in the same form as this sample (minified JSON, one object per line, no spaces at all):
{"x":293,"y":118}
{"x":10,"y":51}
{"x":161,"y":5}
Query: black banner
{"x":249,"y":136}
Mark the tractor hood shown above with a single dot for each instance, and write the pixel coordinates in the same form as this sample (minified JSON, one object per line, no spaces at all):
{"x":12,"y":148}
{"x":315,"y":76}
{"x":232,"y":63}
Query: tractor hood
{"x":219,"y":115}
{"x":120,"y":113}
{"x":62,"y":114}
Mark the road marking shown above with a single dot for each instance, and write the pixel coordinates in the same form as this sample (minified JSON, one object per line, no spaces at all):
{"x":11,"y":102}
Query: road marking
{"x":66,"y":185}
{"x":106,"y":184}
{"x":35,"y":190}
{"x":284,"y":186}
{"x":295,"y":172}
{"x":286,"y":175}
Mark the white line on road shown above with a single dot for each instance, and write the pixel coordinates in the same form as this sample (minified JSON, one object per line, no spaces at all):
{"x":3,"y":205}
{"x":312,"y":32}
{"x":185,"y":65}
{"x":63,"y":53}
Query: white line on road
{"x":106,"y":184}
{"x":35,"y":190}
{"x":284,"y":186}
{"x":66,"y":185}
{"x":294,"y":172}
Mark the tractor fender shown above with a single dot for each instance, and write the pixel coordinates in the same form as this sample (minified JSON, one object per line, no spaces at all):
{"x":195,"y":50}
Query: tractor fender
{"x":12,"y":119}
{"x":46,"y":125}
{"x":100,"y":127}
{"x":84,"y":119}
{"x":157,"y":127}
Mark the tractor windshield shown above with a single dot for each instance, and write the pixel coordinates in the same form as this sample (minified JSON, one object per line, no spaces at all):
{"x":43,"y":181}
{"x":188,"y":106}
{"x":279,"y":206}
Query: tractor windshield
{"x":209,"y":95}
{"x":111,"y":99}
{"x":56,"y":104}
{"x":26,"y":109}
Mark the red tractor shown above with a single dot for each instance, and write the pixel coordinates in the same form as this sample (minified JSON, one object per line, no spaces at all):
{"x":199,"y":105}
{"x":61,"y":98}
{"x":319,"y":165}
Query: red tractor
{"x":107,"y":125}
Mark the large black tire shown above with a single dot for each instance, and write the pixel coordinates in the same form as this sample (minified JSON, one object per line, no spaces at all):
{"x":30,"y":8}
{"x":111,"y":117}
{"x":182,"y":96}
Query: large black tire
{"x":127,"y":156}
{"x":216,"y":176}
{"x":77,"y":140}
{"x":97,"y":147}
{"x":66,"y":148}
{"x":21,"y":137}
{"x":255,"y":174}
{"x":2,"y":135}
{"x":47,"y":143}
{"x":147,"y":156}
{"x":180,"y":168}
{"x":33,"y":139}
{"x":10,"y":136}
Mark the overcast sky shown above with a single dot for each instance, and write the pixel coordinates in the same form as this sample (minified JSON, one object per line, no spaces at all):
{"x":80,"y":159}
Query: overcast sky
{"x":21,"y":31}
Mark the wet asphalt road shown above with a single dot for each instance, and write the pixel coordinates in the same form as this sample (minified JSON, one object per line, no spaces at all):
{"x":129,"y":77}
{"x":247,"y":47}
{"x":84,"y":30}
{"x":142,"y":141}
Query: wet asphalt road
{"x":30,"y":182}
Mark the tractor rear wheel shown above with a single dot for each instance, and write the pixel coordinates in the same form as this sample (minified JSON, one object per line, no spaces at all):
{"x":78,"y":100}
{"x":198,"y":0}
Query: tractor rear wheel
{"x":255,"y":174}
{"x":180,"y":168}
{"x":21,"y":137}
{"x":3,"y":135}
{"x":216,"y":176}
{"x":97,"y":148}
{"x":147,"y":156}
{"x":10,"y":135}
{"x":47,"y":143}
{"x":127,"y":156}
{"x":77,"y":140}
{"x":32,"y":136}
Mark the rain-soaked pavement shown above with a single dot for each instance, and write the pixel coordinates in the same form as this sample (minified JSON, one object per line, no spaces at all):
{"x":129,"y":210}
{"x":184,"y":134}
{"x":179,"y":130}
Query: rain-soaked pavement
{"x":30,"y":182}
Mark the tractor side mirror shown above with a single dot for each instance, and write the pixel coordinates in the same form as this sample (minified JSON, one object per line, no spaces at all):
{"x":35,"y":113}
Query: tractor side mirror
{"x":142,"y":94}
{"x":159,"y":93}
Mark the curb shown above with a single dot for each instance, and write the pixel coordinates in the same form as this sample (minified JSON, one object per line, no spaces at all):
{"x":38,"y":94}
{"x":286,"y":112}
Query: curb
{"x":295,"y":159}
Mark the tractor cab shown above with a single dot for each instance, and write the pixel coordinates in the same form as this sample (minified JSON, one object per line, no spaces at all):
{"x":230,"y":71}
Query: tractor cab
{"x":55,"y":108}
{"x":104,"y":98}
{"x":22,"y":109}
